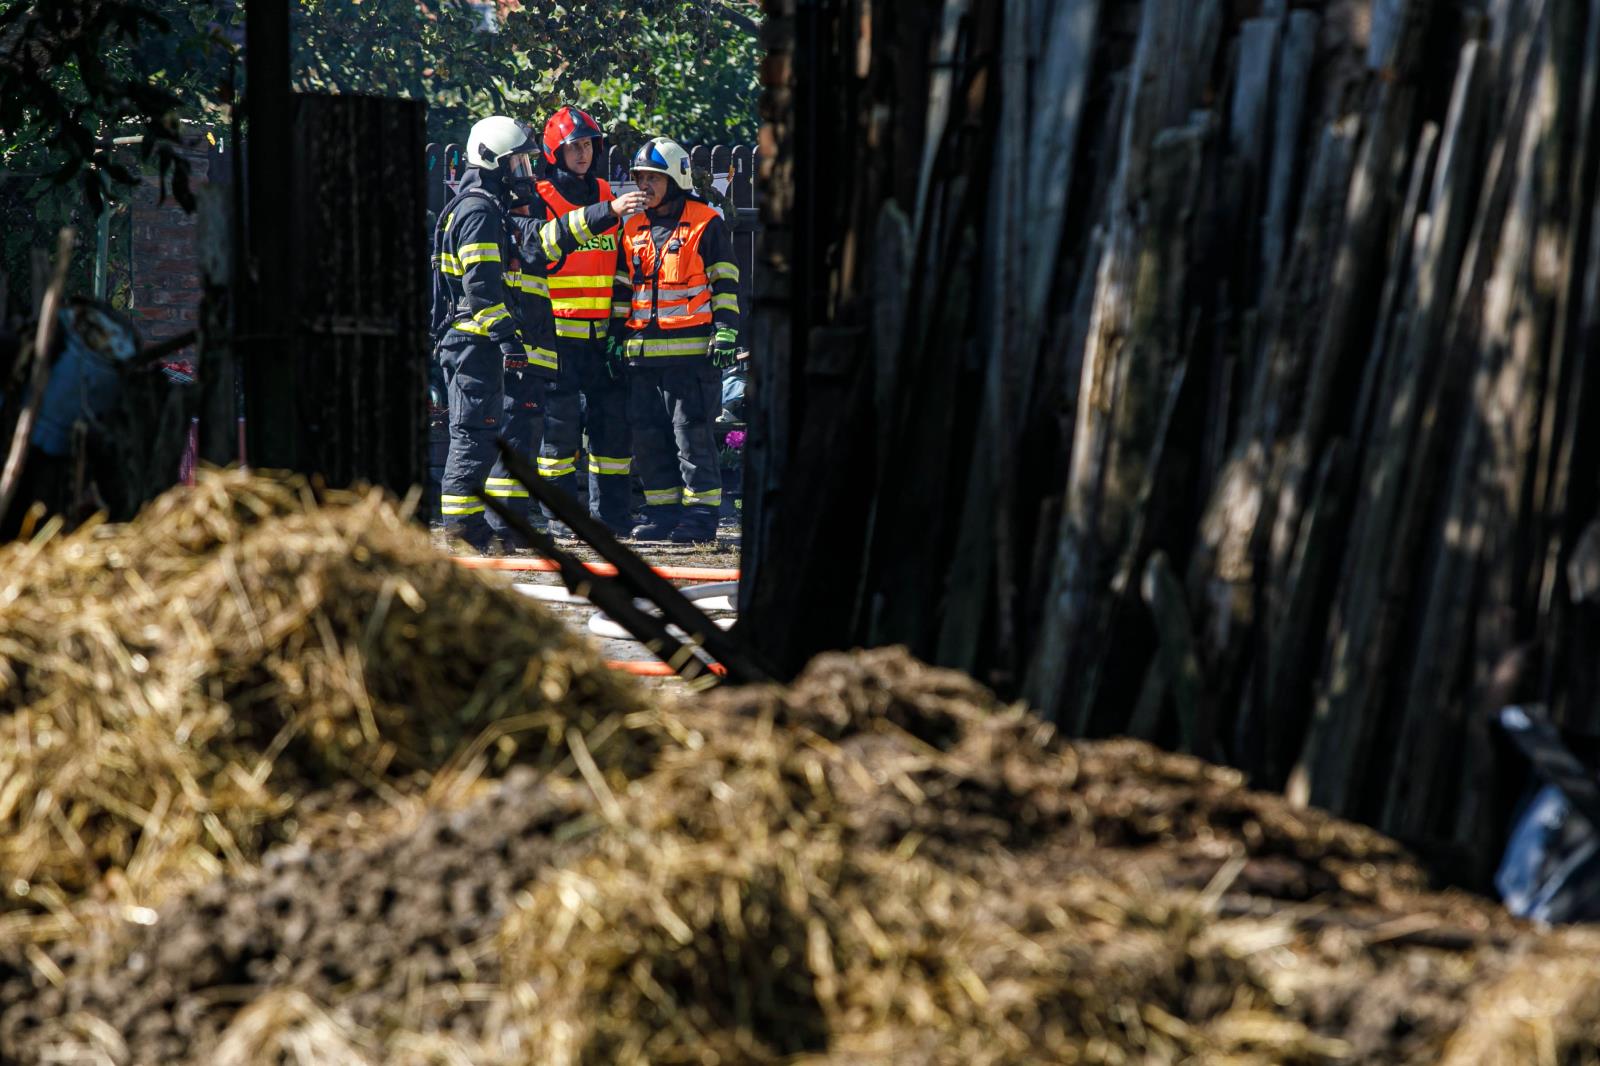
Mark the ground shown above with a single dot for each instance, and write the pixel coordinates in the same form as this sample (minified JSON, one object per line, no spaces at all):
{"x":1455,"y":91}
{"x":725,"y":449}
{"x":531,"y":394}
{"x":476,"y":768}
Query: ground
{"x":723,"y":555}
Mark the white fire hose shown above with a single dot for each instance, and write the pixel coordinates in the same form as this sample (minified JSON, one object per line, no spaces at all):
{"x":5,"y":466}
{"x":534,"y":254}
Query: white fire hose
{"x":716,"y":596}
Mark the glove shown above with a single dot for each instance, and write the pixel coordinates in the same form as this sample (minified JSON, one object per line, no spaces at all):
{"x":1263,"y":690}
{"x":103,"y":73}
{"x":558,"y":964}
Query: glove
{"x":724,"y":349}
{"x":513,"y":358}
{"x":616,"y":357}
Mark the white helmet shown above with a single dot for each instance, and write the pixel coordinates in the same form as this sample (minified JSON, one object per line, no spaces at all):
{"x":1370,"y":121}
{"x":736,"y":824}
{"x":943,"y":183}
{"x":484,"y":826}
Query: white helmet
{"x":497,"y":139}
{"x":662,"y":155}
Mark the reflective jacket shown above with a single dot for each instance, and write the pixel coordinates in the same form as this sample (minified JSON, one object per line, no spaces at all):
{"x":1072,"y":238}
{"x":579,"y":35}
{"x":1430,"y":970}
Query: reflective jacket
{"x":676,"y":283}
{"x":483,"y":285}
{"x":581,"y":287}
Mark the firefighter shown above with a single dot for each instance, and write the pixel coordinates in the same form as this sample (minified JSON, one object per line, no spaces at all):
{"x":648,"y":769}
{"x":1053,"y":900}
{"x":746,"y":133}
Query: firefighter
{"x":527,"y":383}
{"x":677,"y":280}
{"x":503,"y":195}
{"x":590,"y":394}
{"x":484,"y":325}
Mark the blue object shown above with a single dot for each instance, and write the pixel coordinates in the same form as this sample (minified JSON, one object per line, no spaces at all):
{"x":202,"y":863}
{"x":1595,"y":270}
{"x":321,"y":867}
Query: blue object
{"x":733,"y":386}
{"x":1551,"y":867}
{"x":85,"y":382}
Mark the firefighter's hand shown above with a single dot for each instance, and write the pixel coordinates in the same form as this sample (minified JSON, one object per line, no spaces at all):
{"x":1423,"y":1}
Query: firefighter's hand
{"x":724,"y":349}
{"x":513,"y":358}
{"x":629,"y":203}
{"x":616,"y":358}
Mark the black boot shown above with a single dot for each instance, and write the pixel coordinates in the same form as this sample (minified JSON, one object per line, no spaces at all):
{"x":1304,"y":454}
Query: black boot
{"x":697,"y":526}
{"x":611,"y":502}
{"x":659,"y":523}
{"x":476,"y":538}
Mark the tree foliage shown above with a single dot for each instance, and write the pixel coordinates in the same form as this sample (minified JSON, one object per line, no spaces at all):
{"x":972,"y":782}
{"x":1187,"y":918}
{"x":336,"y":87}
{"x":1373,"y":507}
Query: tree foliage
{"x":66,"y":83}
{"x":75,"y":73}
{"x":686,"y":68}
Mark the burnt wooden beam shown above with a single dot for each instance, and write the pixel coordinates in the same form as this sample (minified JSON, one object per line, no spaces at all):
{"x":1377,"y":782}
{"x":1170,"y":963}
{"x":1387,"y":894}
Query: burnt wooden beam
{"x":614,"y":598}
{"x":261,"y":282}
{"x":636,"y":574}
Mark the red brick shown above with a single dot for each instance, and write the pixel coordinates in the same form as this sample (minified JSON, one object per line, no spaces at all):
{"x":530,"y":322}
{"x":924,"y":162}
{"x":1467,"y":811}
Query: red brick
{"x":170,"y":296}
{"x":181,"y":267}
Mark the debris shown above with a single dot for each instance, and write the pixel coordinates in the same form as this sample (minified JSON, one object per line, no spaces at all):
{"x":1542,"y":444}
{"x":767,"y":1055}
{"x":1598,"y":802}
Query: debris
{"x":170,"y":689}
{"x":879,"y":862}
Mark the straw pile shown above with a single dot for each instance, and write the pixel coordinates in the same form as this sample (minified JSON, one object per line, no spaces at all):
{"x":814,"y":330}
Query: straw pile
{"x":883,"y":864}
{"x":171,"y":689}
{"x":879,"y":863}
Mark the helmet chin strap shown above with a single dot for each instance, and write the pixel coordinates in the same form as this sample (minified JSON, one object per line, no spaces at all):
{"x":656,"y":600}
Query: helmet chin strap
{"x":520,"y":191}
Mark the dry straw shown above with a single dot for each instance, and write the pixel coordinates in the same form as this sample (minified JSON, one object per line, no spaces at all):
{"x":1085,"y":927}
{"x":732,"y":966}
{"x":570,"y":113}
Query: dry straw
{"x":170,"y":689}
{"x":879,"y":863}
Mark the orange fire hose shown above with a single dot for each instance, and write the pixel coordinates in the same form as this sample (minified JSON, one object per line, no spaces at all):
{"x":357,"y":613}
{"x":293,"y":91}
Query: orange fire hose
{"x":671,"y":573}
{"x":653,"y":667}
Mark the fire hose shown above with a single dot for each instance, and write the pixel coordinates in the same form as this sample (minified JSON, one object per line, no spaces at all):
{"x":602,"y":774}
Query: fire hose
{"x":716,"y":596}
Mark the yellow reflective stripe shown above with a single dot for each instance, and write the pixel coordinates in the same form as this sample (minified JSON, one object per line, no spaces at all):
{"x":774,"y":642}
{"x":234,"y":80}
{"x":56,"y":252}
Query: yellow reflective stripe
{"x":619,"y":310}
{"x":488,"y":316}
{"x":512,"y":278}
{"x":559,"y":467}
{"x":725,"y":302}
{"x":606,"y":464}
{"x":712,"y":498}
{"x":550,"y":239}
{"x":623,"y":279}
{"x":580,"y":303}
{"x":662,"y":347}
{"x":580,"y":281}
{"x":449,"y":264}
{"x":578,"y":226}
{"x":542,"y":357}
{"x":475,"y":330}
{"x":456,"y":506}
{"x":505,"y":488}
{"x":478,"y":253}
{"x":537,"y":286}
{"x":662,"y":497}
{"x":574,"y":328}
{"x":722,"y":272}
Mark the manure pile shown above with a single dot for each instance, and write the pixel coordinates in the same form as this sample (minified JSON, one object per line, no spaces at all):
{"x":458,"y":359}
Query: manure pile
{"x":250,"y":813}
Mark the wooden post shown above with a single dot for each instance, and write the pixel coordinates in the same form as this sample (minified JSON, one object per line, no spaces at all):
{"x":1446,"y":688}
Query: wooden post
{"x":360,"y":346}
{"x":264,"y":330}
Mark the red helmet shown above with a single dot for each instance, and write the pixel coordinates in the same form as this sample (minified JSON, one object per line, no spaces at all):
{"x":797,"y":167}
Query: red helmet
{"x":566,"y":127}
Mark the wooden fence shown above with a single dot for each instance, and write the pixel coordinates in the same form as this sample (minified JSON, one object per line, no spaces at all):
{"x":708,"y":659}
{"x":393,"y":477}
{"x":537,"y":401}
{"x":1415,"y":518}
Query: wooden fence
{"x":1266,"y":430}
{"x":724,"y":174}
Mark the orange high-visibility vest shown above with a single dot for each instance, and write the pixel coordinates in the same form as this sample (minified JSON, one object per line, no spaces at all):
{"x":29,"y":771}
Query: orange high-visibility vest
{"x":674,"y":291}
{"x":582,"y":287}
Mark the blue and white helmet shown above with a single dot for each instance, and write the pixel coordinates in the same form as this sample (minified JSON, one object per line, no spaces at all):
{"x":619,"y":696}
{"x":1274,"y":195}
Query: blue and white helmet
{"x":663,"y":155}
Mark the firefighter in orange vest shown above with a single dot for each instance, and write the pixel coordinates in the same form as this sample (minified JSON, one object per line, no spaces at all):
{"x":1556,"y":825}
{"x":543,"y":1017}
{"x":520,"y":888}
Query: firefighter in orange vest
{"x":677,"y":326}
{"x":590,"y":395}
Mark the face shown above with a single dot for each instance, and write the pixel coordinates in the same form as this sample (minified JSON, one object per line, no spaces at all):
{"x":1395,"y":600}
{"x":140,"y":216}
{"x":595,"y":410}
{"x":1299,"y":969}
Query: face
{"x":653,"y":185}
{"x":578,"y":156}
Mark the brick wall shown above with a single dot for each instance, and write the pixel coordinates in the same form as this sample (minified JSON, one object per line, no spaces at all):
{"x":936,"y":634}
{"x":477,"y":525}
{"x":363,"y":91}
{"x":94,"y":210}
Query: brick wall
{"x":164,"y":261}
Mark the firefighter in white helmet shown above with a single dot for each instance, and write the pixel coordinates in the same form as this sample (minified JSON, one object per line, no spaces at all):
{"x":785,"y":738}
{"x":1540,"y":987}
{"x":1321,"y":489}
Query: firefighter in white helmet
{"x":676,"y":323}
{"x":492,"y":325}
